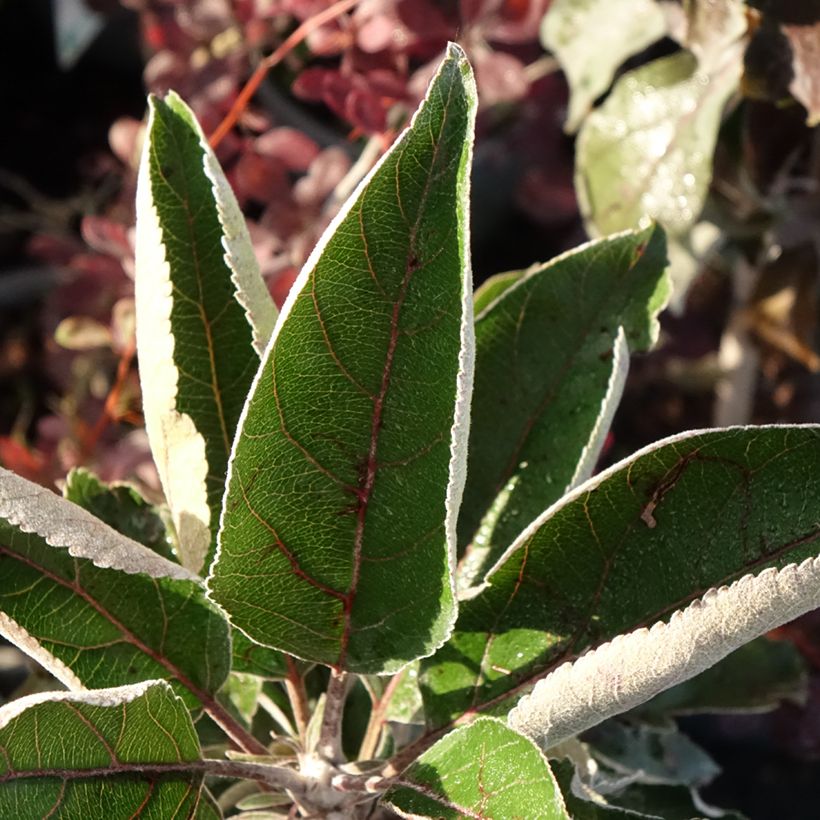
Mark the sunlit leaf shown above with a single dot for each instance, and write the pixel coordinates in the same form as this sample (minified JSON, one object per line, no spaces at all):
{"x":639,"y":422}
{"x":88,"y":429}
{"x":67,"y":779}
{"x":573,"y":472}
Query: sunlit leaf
{"x":647,"y":151}
{"x":664,"y":530}
{"x":97,"y":609}
{"x":99,"y":755}
{"x":203,"y":318}
{"x":580,"y":33}
{"x":484,"y":770}
{"x":338,"y":531}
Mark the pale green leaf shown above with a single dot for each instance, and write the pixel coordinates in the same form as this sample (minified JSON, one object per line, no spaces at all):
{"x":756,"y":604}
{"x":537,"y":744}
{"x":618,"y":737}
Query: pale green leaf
{"x":338,"y":531}
{"x":203,"y":317}
{"x":581,"y":34}
{"x":484,"y":770}
{"x":646,"y":153}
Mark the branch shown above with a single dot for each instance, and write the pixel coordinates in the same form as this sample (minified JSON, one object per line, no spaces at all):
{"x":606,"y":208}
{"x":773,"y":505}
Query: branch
{"x":330,"y":736}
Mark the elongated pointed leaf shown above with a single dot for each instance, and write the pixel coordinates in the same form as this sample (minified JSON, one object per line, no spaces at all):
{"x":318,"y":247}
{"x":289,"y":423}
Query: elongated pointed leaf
{"x":590,"y":49}
{"x":338,"y":531}
{"x":99,"y":755}
{"x":484,"y":770}
{"x":203,"y":317}
{"x":651,"y":535}
{"x":551,"y":358}
{"x":97,"y":609}
{"x":647,"y":151}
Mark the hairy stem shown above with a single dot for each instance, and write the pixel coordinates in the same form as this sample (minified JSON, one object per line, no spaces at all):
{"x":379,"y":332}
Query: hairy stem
{"x":376,"y":721}
{"x":330,"y":736}
{"x":238,"y":734}
{"x":295,"y":688}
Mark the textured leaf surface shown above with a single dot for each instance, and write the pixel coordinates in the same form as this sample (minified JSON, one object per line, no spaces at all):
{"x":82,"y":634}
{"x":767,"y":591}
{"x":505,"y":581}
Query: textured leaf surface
{"x":712,"y":27}
{"x":203,"y":316}
{"x":552,"y":354}
{"x":121,"y":507}
{"x":647,"y":151}
{"x":757,"y":677}
{"x":580,"y":33}
{"x":99,"y":755}
{"x":486,"y":771}
{"x":97,"y":609}
{"x":339,"y":521}
{"x":645,"y":538}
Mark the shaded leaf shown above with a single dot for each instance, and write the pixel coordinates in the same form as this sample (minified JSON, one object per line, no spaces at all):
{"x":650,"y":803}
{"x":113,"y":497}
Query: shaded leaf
{"x":97,"y":609}
{"x":647,"y":151}
{"x":663,"y":756}
{"x":340,"y":488}
{"x":493,"y":287}
{"x":552,"y":353}
{"x":581,"y":36}
{"x":649,"y":536}
{"x":756,"y":677}
{"x":121,"y":507}
{"x":484,"y":770}
{"x":101,"y":754}
{"x":629,"y":802}
{"x":254,"y":659}
{"x":203,"y":318}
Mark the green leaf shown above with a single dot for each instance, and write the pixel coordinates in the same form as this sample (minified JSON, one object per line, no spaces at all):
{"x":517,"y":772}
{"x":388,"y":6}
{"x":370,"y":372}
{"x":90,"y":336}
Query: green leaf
{"x":254,"y":659}
{"x":580,"y":33}
{"x":663,"y":756}
{"x":633,"y":801}
{"x":484,"y":770}
{"x":551,"y":354}
{"x":203,"y":318}
{"x":757,"y":677}
{"x":657,"y":532}
{"x":121,"y":507}
{"x":338,"y":531}
{"x":493,"y":287}
{"x":647,"y":151}
{"x":101,"y":754}
{"x":97,"y":609}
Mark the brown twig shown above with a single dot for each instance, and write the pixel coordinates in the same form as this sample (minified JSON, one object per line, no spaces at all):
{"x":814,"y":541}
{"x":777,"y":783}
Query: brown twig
{"x":330,"y":735}
{"x":109,"y":412}
{"x":307,"y":27}
{"x":377,"y":718}
{"x":295,"y":688}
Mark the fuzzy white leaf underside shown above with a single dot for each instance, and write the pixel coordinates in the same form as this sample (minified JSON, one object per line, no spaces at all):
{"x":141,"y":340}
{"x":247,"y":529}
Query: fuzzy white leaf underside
{"x":115,"y":696}
{"x":35,"y":510}
{"x":634,"y":667}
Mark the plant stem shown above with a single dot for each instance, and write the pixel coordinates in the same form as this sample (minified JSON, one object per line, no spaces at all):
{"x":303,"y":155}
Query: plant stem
{"x":330,"y":736}
{"x":295,"y":688}
{"x":376,"y":721}
{"x":232,"y":728}
{"x":241,"y":102}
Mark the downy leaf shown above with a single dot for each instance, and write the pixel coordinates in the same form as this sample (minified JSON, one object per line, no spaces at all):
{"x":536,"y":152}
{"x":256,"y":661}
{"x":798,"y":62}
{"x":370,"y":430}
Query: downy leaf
{"x":647,"y":151}
{"x":484,"y":770}
{"x":660,"y":531}
{"x":581,"y":35}
{"x":99,"y":755}
{"x":551,"y":354}
{"x":97,"y":609}
{"x":338,"y":530}
{"x":121,"y":507}
{"x":203,"y":317}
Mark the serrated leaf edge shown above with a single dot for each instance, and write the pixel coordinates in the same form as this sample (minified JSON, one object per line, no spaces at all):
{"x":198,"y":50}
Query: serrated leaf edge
{"x":62,"y":524}
{"x":633,"y":667}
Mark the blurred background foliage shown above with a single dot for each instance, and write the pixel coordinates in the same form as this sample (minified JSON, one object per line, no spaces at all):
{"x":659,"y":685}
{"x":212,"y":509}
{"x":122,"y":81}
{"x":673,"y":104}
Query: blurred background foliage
{"x":595,"y":116}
